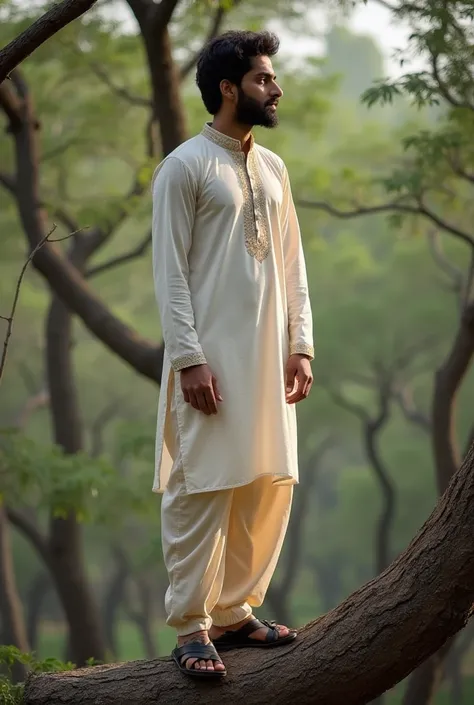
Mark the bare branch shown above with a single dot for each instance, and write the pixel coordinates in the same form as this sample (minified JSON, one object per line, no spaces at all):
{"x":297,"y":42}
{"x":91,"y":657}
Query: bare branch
{"x":36,"y":34}
{"x":137,"y":251}
{"x":404,"y":398}
{"x":8,"y":182}
{"x":35,"y":402}
{"x":9,"y":319}
{"x":340,"y":400}
{"x":444,"y":88}
{"x":109,"y":411}
{"x":392,"y":206}
{"x":121,"y":91}
{"x":454,"y":274}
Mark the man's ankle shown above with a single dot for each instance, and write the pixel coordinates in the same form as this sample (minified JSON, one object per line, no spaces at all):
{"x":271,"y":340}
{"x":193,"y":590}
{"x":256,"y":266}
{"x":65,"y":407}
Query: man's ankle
{"x":200,"y":637}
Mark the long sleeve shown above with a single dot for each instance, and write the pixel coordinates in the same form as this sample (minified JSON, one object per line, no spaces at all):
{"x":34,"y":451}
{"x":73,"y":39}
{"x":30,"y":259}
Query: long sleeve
{"x":300,"y":319}
{"x":174,"y":199}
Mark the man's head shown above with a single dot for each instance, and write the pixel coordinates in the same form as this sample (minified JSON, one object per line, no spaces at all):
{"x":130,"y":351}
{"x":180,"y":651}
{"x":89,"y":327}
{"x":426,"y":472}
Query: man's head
{"x":236,"y":78}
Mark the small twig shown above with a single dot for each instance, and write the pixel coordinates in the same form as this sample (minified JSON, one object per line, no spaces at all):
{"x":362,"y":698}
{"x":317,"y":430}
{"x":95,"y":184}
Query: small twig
{"x":121,"y":91}
{"x":9,"y":319}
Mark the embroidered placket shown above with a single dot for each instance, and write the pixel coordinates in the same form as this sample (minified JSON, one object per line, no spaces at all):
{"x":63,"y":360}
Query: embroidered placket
{"x":256,"y":231}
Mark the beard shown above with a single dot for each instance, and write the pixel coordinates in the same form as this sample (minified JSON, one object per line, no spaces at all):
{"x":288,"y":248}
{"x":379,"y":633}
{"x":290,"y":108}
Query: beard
{"x":250,"y":112}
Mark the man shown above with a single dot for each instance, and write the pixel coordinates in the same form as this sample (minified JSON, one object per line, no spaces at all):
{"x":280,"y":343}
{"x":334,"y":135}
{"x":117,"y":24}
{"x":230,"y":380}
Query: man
{"x":231,"y":286}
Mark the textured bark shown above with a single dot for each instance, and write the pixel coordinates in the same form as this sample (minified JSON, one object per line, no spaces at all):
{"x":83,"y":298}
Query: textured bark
{"x":40,"y":31}
{"x":11,"y":609}
{"x":423,"y":684}
{"x":63,"y":277}
{"x":65,"y":535}
{"x":37,"y":592}
{"x":351,"y":655}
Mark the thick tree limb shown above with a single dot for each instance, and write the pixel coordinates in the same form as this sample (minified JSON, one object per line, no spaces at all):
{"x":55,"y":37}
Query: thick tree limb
{"x":63,"y":277}
{"x":392,"y":206}
{"x":45,"y":27}
{"x":351,"y":655}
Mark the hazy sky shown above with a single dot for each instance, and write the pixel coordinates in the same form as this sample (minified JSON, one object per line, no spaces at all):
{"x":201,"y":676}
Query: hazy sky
{"x":370,"y":18}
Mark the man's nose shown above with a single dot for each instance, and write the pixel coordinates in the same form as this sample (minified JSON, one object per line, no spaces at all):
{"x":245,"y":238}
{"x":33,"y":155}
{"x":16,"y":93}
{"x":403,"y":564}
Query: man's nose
{"x":276,"y":91}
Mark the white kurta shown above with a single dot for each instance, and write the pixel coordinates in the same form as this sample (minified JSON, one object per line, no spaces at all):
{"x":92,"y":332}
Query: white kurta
{"x":231,"y":286}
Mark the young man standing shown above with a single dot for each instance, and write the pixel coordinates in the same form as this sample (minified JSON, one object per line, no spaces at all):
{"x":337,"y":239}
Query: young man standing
{"x":232,"y":291}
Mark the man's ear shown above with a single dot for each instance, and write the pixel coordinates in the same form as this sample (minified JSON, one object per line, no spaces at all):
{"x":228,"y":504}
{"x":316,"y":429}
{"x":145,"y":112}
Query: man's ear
{"x":228,"y":90}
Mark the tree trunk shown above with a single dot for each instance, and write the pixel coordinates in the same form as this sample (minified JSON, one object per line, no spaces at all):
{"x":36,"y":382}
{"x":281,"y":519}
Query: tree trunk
{"x":11,"y":610}
{"x":351,"y":655}
{"x":65,"y":539}
{"x":448,"y":380}
{"x":39,"y":588}
{"x":168,"y":108}
{"x":113,"y":598}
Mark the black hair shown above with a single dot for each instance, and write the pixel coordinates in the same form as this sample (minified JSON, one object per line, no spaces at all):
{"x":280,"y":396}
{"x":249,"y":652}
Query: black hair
{"x":229,"y":57}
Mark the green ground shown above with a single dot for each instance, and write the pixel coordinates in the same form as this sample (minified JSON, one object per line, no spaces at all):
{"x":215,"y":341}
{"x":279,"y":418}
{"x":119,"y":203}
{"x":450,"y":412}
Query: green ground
{"x":52,"y":644}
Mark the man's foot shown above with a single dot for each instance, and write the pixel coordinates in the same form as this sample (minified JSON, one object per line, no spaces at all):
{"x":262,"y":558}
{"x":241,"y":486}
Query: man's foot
{"x":251,"y":629}
{"x":199,"y":638}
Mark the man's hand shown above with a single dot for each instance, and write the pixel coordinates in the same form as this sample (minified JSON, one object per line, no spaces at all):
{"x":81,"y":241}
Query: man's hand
{"x":299,"y":378}
{"x":200,"y":388}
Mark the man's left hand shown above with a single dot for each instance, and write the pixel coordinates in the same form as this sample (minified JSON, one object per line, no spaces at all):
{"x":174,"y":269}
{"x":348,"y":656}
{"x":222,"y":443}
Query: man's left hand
{"x":299,"y":378}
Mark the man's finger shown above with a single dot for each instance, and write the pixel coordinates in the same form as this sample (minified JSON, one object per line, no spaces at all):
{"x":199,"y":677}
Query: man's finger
{"x":307,"y":386}
{"x":211,"y":400}
{"x":203,"y":405}
{"x":193,"y":400}
{"x":290,"y":380}
{"x":217,"y":392}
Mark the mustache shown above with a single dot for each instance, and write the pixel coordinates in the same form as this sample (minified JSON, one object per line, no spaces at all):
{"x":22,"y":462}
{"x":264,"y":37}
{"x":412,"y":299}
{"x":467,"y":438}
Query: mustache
{"x":271,"y":102}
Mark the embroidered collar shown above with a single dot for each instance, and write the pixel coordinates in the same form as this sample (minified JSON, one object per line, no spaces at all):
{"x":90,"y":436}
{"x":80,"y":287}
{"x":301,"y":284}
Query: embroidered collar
{"x":224,"y":140}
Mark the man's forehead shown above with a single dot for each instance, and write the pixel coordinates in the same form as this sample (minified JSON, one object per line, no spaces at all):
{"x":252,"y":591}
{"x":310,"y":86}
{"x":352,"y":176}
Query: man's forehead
{"x":262,"y":64}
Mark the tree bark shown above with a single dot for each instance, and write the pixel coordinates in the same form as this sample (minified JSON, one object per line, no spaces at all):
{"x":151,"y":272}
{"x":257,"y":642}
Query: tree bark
{"x":113,"y":598}
{"x":11,"y":610}
{"x":423,"y":684}
{"x":63,"y":277}
{"x":37,"y":592}
{"x":40,"y":31}
{"x":351,"y":655}
{"x":65,"y":537}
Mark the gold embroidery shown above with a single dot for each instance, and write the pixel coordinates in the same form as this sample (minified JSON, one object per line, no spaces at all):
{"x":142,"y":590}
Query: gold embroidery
{"x":256,"y":230}
{"x":188,"y":361}
{"x":302,"y":349}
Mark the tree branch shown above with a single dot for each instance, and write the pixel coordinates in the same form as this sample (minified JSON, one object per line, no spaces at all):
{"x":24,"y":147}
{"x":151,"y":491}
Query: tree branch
{"x":394,"y":623}
{"x":214,"y":30}
{"x":121,"y":91}
{"x":8,"y":182}
{"x":391,"y":206}
{"x":137,"y":251}
{"x":342,"y":401}
{"x":454,"y":274}
{"x":166,"y":9}
{"x":41,"y":30}
{"x":404,"y":399}
{"x":9,"y":319}
{"x":31,"y":532}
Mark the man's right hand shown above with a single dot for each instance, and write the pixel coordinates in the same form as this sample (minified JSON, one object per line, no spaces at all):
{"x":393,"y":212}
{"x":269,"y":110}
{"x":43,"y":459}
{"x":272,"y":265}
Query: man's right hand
{"x":200,"y":388}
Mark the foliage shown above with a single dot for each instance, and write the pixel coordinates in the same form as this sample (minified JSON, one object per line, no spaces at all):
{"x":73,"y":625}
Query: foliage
{"x":12,"y":694}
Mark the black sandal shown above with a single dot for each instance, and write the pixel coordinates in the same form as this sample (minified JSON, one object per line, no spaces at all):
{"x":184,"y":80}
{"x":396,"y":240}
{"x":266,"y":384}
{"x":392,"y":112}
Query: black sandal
{"x":201,"y":652}
{"x":240,"y":639}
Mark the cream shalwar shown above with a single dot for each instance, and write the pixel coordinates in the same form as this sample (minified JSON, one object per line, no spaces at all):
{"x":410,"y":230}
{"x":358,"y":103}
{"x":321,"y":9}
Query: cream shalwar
{"x":231,"y":286}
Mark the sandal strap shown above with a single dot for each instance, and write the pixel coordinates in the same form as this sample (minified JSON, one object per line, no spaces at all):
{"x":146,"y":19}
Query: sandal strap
{"x":242,"y":634}
{"x":204,"y":652}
